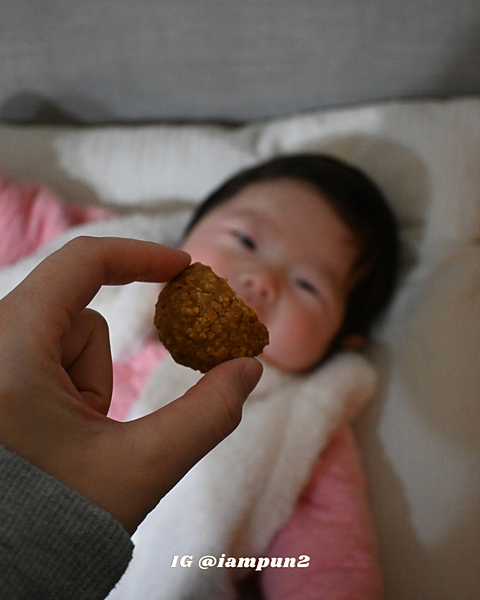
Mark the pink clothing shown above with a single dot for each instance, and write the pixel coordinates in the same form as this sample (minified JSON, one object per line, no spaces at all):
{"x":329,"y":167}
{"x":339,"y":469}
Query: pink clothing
{"x":32,"y":215}
{"x":331,"y":523}
{"x":130,"y":376}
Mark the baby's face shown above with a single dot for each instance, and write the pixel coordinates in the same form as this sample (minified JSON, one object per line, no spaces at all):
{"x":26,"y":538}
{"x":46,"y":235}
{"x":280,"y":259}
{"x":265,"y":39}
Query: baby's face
{"x":290,"y":257}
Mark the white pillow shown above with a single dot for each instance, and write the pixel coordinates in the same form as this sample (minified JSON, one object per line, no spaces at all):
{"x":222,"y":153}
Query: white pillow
{"x":421,"y":439}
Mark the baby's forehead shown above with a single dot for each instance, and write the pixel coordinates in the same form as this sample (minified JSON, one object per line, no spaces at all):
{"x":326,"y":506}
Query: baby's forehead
{"x":283,"y":196}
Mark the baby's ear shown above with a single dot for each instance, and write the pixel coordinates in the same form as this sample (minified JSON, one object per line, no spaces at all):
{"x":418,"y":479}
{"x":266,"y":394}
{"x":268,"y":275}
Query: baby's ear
{"x":353,"y":341}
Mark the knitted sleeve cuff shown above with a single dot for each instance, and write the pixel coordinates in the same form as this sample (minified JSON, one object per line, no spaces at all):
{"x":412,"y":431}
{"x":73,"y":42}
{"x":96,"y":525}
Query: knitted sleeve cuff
{"x":53,"y":542}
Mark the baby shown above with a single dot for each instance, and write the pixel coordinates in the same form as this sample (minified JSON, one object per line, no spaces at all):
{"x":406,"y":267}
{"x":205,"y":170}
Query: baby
{"x":312,"y":246}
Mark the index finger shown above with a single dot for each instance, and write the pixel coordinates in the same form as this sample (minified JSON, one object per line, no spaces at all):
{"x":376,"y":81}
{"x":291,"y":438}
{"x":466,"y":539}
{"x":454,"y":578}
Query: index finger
{"x":69,"y":278}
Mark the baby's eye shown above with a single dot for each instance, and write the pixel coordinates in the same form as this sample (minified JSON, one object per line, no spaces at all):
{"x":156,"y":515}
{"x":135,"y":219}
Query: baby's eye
{"x":307,"y":286}
{"x":245,"y":240}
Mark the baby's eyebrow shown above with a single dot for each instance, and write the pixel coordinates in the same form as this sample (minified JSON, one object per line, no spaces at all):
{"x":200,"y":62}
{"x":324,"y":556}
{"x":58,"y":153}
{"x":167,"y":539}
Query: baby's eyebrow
{"x":251,"y":215}
{"x":247,"y":212}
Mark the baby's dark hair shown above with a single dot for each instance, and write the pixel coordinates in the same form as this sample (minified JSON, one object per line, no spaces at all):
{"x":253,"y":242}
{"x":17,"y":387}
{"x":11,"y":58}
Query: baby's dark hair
{"x":359,"y":203}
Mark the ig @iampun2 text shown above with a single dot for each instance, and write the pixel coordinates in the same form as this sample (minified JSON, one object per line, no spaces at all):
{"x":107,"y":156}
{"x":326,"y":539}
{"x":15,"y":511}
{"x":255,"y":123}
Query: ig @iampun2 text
{"x":208,"y":561}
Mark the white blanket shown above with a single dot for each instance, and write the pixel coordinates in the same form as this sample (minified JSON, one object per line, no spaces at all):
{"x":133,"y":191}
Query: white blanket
{"x":233,"y":501}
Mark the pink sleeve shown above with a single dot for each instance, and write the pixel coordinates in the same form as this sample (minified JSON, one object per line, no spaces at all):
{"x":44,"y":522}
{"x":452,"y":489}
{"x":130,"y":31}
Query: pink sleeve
{"x":33,"y":215}
{"x":332,"y":525}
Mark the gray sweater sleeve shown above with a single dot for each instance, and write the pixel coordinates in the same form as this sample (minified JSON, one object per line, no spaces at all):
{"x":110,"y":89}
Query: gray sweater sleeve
{"x":54,"y":544}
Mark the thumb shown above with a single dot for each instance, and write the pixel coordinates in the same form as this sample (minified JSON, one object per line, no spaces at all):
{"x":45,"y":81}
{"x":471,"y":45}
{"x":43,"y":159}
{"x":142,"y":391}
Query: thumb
{"x":171,"y":440}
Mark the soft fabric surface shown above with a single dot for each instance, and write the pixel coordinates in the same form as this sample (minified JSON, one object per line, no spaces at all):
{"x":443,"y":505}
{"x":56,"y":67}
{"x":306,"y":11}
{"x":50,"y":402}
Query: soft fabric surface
{"x":31,"y":216}
{"x":236,"y":498}
{"x":420,"y":437}
{"x":204,"y":59}
{"x":55,"y":543}
{"x":342,"y":571}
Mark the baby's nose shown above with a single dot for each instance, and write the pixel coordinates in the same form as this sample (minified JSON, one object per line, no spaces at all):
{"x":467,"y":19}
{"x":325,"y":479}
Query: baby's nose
{"x":258,"y":284}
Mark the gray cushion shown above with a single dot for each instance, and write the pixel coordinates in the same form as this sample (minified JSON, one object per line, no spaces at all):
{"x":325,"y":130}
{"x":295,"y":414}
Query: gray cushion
{"x":210,"y":59}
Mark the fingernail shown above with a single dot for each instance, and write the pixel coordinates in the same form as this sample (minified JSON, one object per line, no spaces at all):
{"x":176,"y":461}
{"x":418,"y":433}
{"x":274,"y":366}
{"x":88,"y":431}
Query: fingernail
{"x":251,"y":373}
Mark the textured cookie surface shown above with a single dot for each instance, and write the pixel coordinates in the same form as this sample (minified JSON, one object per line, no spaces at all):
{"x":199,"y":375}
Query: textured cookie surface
{"x":201,"y":321}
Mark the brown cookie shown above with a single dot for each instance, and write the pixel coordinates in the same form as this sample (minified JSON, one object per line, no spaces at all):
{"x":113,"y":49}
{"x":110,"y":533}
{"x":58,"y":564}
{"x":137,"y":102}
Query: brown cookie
{"x":202,"y":322}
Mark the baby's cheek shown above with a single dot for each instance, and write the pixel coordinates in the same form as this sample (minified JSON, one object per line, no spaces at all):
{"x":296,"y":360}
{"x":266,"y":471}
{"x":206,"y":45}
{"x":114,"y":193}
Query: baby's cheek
{"x":294,"y":345}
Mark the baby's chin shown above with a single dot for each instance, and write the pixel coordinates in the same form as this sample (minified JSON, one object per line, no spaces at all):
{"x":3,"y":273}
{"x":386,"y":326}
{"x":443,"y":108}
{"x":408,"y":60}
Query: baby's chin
{"x":285,"y":364}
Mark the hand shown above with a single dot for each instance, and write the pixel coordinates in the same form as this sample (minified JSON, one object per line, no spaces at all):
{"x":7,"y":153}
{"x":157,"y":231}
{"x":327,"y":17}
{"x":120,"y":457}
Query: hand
{"x":56,"y":383}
